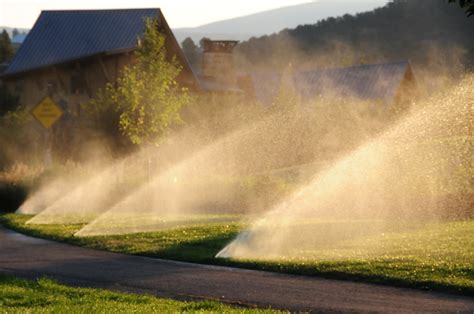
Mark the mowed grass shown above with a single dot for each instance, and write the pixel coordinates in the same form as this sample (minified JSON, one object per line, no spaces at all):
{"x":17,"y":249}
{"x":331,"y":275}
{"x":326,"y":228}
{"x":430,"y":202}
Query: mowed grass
{"x":47,"y":296}
{"x":437,"y":256}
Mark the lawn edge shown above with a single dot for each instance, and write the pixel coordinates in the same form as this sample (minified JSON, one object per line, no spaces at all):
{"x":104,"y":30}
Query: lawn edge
{"x":427,"y":286}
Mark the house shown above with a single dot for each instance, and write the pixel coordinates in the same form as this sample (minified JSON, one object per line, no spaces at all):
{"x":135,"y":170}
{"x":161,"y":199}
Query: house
{"x":388,"y":83}
{"x":72,"y":54}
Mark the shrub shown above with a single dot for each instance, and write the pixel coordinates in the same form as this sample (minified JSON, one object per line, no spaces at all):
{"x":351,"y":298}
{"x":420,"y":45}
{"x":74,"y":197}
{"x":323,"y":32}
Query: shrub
{"x":12,"y":195}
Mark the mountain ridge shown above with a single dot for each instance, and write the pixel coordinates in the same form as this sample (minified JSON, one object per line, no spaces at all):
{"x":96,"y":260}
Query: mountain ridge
{"x":275,"y":20}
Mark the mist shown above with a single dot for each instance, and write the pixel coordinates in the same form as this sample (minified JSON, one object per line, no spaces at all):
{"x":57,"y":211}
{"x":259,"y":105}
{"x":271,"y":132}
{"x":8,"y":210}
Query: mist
{"x":416,"y":172}
{"x":303,"y":173}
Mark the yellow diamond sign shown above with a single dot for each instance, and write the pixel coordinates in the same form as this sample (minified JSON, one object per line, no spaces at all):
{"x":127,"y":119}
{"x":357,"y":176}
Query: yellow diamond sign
{"x":47,"y":112}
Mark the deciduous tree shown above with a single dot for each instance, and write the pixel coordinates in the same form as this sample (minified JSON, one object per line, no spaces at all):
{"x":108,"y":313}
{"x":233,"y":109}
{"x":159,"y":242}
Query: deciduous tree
{"x":147,"y":96}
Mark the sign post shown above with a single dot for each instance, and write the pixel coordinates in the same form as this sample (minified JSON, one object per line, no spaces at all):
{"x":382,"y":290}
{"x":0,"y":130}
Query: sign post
{"x":47,"y":113}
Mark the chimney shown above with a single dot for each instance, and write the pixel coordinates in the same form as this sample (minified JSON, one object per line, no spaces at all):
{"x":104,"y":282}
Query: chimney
{"x":218,"y":61}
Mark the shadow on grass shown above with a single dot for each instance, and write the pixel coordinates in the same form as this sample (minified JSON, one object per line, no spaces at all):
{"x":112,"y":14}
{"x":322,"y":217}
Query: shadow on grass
{"x":403,"y":272}
{"x":203,"y":252}
{"x":197,"y":251}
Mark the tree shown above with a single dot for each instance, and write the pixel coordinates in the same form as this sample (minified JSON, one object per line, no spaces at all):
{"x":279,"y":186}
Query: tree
{"x":467,"y":5}
{"x":202,"y":41}
{"x":6,"y":48}
{"x":190,"y":50}
{"x":147,"y":96}
{"x":15,"y":32}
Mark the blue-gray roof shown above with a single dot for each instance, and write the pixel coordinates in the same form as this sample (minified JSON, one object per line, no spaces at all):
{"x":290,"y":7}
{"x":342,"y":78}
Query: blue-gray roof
{"x":367,"y":82}
{"x":62,"y":36}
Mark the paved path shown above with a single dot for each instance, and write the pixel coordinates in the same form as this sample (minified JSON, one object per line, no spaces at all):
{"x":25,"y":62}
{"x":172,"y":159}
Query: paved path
{"x":30,"y":257}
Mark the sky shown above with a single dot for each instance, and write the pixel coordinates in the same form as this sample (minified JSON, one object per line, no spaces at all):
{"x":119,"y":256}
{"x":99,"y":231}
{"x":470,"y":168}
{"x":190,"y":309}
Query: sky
{"x":179,"y":13}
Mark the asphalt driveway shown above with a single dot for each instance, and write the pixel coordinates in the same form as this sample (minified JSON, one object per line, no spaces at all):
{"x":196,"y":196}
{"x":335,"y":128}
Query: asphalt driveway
{"x":30,"y":257}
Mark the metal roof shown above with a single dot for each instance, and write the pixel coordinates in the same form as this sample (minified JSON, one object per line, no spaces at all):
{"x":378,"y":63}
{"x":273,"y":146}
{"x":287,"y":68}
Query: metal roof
{"x":62,"y":36}
{"x":367,"y":82}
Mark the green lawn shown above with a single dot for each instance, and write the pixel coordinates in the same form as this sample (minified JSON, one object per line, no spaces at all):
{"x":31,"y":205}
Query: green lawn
{"x":47,"y":296}
{"x":437,"y":256}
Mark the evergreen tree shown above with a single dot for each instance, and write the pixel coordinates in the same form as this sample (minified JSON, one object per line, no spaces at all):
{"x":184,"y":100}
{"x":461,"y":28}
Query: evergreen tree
{"x":190,"y":50}
{"x":15,"y":32}
{"x":6,"y":48}
{"x":201,"y":42}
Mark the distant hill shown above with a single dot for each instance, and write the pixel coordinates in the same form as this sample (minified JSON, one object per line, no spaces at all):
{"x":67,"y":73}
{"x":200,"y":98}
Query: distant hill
{"x":272,"y":21}
{"x":428,"y":32}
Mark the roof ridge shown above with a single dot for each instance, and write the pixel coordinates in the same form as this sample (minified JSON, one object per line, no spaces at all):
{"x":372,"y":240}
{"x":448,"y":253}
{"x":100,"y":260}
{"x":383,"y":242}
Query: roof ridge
{"x":130,"y":22}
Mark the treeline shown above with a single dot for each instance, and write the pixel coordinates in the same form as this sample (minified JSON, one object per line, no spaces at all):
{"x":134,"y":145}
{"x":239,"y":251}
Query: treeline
{"x":422,"y":31}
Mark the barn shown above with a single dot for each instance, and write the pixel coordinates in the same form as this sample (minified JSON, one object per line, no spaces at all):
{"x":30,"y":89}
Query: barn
{"x":71,"y":54}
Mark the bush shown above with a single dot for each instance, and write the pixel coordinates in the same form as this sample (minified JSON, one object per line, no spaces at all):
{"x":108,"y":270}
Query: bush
{"x":12,"y":195}
{"x":8,"y":101}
